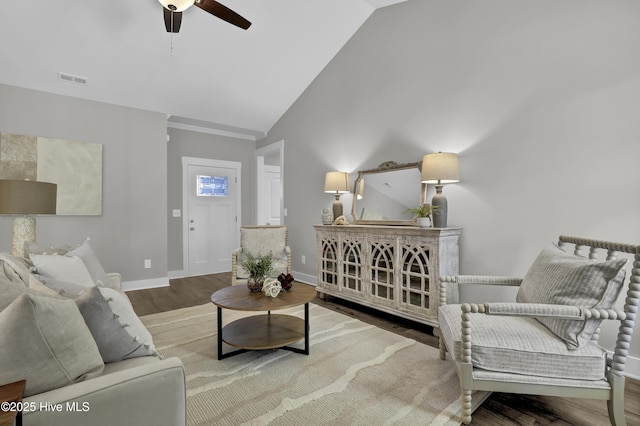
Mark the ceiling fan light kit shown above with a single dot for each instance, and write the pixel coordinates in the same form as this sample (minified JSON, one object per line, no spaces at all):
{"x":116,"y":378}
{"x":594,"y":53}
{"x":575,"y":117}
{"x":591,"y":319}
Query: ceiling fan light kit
{"x":173,"y":9}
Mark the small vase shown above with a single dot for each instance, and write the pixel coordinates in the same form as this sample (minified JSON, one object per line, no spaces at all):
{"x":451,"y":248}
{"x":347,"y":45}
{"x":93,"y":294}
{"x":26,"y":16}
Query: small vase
{"x":424,"y":222}
{"x":255,"y":284}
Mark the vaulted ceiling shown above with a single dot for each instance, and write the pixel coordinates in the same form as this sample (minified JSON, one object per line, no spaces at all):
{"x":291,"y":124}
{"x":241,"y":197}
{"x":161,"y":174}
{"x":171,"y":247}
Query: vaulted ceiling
{"x":210,"y":74}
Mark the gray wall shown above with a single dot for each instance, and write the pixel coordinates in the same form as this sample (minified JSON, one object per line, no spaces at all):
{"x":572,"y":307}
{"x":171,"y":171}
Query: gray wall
{"x":187,"y":143}
{"x":133,"y":226}
{"x":540,"y":99}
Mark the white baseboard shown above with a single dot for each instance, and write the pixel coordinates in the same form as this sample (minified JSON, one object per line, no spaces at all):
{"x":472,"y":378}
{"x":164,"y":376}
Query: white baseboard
{"x":304,"y":278}
{"x":143,"y":284}
{"x":177,"y":274}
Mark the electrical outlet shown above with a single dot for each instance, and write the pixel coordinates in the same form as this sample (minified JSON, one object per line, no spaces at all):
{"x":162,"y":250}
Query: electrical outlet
{"x":147,"y":263}
{"x":176,"y":213}
{"x":303,"y":259}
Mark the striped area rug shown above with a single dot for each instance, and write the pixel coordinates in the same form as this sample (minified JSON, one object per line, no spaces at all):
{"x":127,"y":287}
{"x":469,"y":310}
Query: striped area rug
{"x":356,"y":374}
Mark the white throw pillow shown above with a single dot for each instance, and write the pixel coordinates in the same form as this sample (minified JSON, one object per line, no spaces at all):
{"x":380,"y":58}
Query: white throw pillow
{"x":85,"y":252}
{"x":63,"y":268}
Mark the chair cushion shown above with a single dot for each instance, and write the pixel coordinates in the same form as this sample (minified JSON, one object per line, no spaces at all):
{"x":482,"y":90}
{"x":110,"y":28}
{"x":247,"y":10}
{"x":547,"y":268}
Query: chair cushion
{"x":561,"y":278}
{"x":520,"y":345}
{"x":261,"y":241}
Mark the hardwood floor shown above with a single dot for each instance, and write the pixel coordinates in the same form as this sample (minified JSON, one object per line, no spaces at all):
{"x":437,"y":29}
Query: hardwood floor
{"x":500,"y":409}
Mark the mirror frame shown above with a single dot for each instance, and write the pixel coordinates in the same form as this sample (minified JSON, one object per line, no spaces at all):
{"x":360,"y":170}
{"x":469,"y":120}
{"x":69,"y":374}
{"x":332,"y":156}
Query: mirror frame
{"x":387,"y":166}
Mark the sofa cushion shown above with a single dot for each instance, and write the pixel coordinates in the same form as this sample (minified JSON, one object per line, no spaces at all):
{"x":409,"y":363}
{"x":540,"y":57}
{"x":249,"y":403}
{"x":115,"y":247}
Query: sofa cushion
{"x":561,"y":278}
{"x":85,"y":252}
{"x":44,"y":340}
{"x":115,"y":327}
{"x":63,"y":268}
{"x":520,"y":345}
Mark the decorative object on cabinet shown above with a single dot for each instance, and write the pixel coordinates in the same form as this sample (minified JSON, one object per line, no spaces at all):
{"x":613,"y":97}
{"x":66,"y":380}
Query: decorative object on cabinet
{"x":336,"y":183}
{"x":326,"y":217}
{"x":394,"y":269}
{"x":423,"y":214}
{"x":391,"y":189}
{"x":25,"y":198}
{"x":440,"y":168}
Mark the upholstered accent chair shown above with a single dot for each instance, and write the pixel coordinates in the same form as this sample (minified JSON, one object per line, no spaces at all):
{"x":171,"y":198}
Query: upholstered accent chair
{"x":547,"y":342}
{"x":259,"y":240}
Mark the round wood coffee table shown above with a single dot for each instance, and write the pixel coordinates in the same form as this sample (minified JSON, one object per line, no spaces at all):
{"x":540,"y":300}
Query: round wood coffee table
{"x":266,"y":331}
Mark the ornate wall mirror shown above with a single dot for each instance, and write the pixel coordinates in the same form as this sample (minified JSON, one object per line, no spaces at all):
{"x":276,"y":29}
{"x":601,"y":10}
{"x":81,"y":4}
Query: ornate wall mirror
{"x":382,"y":195}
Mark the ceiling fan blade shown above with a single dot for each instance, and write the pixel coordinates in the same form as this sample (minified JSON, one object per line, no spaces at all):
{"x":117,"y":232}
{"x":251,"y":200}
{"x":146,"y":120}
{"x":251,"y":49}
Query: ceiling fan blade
{"x":172,"y":20}
{"x":223,"y":12}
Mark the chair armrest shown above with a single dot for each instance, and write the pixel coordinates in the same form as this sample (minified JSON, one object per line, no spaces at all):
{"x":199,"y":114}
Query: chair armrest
{"x":482,"y":279}
{"x":542,"y":310}
{"x":449,"y":292}
{"x":234,"y":265}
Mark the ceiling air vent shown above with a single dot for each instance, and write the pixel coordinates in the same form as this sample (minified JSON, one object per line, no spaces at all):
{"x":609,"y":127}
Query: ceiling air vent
{"x":70,"y":78}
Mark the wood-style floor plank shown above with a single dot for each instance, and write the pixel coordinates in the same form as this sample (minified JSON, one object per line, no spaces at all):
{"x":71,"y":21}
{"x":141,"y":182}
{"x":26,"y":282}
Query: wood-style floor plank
{"x":499,"y":410}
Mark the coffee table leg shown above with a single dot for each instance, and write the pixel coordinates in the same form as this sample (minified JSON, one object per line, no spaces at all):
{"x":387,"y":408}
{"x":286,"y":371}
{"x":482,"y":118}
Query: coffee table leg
{"x":306,"y":329}
{"x":219,"y":333}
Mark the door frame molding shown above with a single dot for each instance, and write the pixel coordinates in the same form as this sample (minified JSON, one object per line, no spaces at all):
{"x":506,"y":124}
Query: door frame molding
{"x":206,"y":162}
{"x":260,"y":153}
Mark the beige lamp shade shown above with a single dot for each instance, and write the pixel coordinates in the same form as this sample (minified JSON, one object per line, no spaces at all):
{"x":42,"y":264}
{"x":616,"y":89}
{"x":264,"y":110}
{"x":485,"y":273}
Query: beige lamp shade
{"x":27,"y":197}
{"x":440,"y":168}
{"x":336,"y":183}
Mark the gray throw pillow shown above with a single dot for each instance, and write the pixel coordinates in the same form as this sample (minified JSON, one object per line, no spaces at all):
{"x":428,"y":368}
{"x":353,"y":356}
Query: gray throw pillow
{"x":560,"y":278}
{"x":115,"y":327}
{"x":44,"y":340}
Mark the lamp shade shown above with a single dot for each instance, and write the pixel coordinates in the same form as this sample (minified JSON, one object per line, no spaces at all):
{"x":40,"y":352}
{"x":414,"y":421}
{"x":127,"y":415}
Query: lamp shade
{"x":336,"y":183}
{"x":440,"y":168}
{"x":27,"y":197}
{"x":179,"y":5}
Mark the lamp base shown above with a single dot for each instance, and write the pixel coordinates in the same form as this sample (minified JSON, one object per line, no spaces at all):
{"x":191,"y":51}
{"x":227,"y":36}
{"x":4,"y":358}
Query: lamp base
{"x":440,"y":212}
{"x":337,"y":209}
{"x":24,"y":230}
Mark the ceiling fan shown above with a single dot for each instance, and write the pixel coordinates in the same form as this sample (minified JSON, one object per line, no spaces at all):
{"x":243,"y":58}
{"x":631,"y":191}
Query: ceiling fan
{"x":173,"y":13}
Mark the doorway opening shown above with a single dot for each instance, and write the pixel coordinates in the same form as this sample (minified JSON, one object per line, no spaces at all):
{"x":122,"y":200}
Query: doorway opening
{"x":270,"y":184}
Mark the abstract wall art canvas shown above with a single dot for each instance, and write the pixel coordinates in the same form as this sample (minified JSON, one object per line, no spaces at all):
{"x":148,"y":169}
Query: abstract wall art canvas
{"x":75,"y":166}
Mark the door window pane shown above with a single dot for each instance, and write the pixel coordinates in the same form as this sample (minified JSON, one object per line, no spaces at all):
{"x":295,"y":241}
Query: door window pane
{"x":212,"y":186}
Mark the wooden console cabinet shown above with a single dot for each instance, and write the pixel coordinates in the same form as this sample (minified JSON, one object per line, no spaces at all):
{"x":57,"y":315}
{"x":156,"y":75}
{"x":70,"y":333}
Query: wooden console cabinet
{"x":394,"y":269}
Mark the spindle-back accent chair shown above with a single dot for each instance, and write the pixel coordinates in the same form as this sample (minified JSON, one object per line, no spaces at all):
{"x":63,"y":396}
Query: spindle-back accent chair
{"x":547,"y":343}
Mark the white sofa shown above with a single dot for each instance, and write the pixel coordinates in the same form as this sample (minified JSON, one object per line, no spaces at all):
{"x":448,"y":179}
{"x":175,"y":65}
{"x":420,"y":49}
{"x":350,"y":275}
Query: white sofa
{"x":68,"y":381}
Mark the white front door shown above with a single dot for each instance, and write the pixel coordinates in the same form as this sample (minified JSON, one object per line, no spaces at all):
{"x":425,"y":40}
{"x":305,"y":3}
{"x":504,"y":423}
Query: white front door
{"x":211,"y":215}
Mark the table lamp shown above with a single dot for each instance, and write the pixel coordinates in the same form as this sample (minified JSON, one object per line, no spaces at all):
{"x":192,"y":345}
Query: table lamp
{"x":336,"y":183}
{"x":440,"y":168}
{"x":23,"y":198}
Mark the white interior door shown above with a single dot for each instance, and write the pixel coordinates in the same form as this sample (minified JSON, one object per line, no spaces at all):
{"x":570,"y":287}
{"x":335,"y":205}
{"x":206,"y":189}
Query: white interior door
{"x":211,"y":215}
{"x":269,"y":184}
{"x":273,"y":196}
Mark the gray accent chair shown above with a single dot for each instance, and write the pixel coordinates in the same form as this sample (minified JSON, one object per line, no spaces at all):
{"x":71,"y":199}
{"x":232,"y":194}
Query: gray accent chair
{"x":259,"y":240}
{"x":547,"y":343}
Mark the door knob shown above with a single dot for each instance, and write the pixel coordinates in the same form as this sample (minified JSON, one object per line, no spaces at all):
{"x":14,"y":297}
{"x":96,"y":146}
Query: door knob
{"x":192,"y":228}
